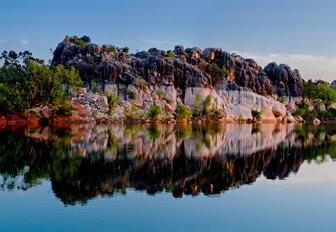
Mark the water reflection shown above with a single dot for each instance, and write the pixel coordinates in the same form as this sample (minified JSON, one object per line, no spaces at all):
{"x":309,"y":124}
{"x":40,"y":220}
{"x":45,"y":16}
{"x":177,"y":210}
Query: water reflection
{"x":85,"y":161}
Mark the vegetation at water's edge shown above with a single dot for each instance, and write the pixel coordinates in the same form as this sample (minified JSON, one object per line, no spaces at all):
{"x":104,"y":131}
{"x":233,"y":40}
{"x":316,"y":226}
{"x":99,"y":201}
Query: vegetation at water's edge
{"x":317,"y":93}
{"x":25,"y":82}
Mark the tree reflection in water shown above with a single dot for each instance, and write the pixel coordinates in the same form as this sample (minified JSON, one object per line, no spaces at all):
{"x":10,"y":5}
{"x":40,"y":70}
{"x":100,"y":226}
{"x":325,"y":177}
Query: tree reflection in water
{"x":85,"y":161}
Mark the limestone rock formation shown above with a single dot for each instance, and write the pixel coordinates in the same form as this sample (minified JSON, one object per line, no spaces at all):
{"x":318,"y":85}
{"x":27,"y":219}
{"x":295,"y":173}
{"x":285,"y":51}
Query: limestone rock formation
{"x":237,"y":85}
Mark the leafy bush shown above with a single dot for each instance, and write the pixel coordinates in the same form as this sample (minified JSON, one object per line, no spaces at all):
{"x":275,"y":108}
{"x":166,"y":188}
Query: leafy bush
{"x":283,"y":100}
{"x":28,"y":83}
{"x":124,"y":50}
{"x":154,"y":111}
{"x":217,"y":73}
{"x":131,"y":113}
{"x":256,"y":114}
{"x":319,"y":90}
{"x":81,"y":41}
{"x":302,"y":112}
{"x":112,"y":101}
{"x":131,"y":94}
{"x":182,"y":111}
{"x":111,"y":49}
{"x":215,"y":114}
{"x":196,"y":111}
{"x":170,"y":54}
{"x":206,"y":105}
{"x":94,"y":86}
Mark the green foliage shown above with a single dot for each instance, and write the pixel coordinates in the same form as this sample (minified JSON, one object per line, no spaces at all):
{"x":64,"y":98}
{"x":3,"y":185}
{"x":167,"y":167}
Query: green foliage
{"x":196,"y":111}
{"x":70,"y":77}
{"x":154,"y":111}
{"x":215,"y":114}
{"x":131,"y":94}
{"x":217,"y":73}
{"x":111,"y":49}
{"x":11,"y":99}
{"x":206,"y":105}
{"x":81,"y":41}
{"x":182,"y":111}
{"x":94,"y":86}
{"x":302,"y":112}
{"x":170,"y":54}
{"x":283,"y":100}
{"x":319,"y":90}
{"x":225,"y":72}
{"x":29,"y":84}
{"x":256,"y":114}
{"x":240,"y":117}
{"x":131,"y":113}
{"x":112,"y":101}
{"x":124,"y":50}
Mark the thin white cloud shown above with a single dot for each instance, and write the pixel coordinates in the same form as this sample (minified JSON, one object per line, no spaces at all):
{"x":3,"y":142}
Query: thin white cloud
{"x":3,"y":41}
{"x":24,"y":41}
{"x":310,"y":66}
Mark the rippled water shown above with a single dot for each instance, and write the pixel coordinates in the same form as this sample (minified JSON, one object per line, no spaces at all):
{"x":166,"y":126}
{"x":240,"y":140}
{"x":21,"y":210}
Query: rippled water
{"x":228,"y":177}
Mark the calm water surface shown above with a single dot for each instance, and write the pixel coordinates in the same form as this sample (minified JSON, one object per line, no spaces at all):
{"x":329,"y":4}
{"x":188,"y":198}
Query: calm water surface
{"x":168,"y":178}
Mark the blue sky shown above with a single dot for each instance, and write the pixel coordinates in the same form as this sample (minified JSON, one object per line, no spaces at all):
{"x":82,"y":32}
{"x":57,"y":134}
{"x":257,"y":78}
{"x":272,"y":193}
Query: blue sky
{"x":300,"y":33}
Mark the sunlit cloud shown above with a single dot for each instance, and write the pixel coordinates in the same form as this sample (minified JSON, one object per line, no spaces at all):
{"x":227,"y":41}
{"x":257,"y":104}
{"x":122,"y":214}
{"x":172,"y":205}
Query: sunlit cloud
{"x":24,"y":41}
{"x":310,"y":66}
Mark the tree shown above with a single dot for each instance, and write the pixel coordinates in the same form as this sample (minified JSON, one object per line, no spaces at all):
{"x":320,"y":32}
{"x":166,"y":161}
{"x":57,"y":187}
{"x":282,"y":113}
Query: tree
{"x":170,"y":54}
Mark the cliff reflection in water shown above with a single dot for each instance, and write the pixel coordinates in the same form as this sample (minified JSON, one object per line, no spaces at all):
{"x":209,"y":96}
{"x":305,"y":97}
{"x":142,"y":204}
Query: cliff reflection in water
{"x":84,"y":161}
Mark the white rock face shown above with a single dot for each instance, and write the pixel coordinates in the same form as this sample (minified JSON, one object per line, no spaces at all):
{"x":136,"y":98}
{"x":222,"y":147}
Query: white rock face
{"x":235,"y":104}
{"x":238,"y":103}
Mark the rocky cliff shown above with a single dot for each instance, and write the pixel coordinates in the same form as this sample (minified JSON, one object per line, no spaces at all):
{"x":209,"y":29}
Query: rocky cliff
{"x":236,"y":85}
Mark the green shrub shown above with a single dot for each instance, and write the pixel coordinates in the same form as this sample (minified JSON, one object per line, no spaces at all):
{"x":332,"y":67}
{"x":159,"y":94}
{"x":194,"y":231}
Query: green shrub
{"x":283,"y":100}
{"x":225,"y":72}
{"x":131,"y":113}
{"x":154,"y":111}
{"x":182,"y":111}
{"x":240,"y":117}
{"x":215,"y":114}
{"x":206,"y":105}
{"x":170,"y":54}
{"x":27,"y":83}
{"x":196,"y":111}
{"x":111,"y":49}
{"x":302,"y":112}
{"x":131,"y":94}
{"x":81,"y":41}
{"x":112,"y":101}
{"x":94,"y":86}
{"x":124,"y":50}
{"x":217,"y":73}
{"x":256,"y":115}
{"x":319,"y":90}
{"x":63,"y":109}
